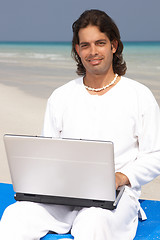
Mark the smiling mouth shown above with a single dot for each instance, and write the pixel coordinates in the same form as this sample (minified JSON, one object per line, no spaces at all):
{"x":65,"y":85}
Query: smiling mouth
{"x":95,"y":61}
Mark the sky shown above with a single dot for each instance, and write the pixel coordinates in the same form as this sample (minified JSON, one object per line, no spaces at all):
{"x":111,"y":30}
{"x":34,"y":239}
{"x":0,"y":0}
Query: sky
{"x":51,"y":20}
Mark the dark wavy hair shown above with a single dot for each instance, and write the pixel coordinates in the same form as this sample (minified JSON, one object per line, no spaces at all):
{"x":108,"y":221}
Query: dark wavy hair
{"x":106,"y":25}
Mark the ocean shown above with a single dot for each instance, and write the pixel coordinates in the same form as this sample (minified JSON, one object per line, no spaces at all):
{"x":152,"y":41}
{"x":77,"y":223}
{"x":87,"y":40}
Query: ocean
{"x":39,"y":67}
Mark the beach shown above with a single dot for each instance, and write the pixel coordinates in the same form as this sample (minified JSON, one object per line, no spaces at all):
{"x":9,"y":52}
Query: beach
{"x":30,"y":73}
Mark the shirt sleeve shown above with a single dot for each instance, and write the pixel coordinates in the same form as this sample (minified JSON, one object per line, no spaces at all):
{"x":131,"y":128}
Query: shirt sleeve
{"x":147,"y":164}
{"x":50,"y":128}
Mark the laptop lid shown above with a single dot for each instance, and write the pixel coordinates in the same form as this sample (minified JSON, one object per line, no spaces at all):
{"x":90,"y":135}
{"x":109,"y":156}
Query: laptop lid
{"x":62,"y":171}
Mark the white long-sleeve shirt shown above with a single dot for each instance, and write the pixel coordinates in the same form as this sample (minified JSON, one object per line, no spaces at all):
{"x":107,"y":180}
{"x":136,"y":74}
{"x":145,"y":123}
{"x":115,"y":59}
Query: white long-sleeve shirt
{"x":128,"y":115}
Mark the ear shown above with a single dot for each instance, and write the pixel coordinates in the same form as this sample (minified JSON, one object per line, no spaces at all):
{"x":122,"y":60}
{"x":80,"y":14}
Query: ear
{"x":77,"y":48}
{"x":114,"y":45}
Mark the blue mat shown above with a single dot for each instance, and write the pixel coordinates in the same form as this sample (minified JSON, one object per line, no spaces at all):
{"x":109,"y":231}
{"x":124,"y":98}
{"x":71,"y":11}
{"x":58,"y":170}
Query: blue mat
{"x":147,"y":230}
{"x":57,"y":236}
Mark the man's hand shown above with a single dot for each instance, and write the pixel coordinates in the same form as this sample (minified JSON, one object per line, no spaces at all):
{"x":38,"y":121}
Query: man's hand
{"x":121,"y":179}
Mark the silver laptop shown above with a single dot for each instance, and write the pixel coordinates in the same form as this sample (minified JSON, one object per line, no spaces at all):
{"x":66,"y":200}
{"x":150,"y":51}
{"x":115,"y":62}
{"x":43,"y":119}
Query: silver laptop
{"x":62,"y":171}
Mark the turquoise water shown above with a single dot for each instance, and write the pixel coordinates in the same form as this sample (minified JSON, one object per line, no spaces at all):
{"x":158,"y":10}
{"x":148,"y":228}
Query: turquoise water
{"x":30,"y":49}
{"x":143,"y":59}
{"x":48,"y":50}
{"x":147,"y":52}
{"x":51,"y":63}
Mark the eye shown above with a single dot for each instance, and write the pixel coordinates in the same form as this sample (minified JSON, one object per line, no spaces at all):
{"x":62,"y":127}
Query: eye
{"x":83,"y":45}
{"x":101,"y":43}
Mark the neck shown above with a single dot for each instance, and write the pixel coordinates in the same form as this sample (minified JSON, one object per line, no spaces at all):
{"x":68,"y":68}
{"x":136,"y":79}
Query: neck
{"x":98,"y":81}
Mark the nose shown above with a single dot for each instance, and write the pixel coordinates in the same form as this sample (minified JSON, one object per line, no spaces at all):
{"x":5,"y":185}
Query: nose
{"x":93,"y":50}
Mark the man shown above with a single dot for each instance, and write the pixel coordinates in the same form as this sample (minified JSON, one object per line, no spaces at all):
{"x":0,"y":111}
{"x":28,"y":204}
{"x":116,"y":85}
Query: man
{"x":100,"y":105}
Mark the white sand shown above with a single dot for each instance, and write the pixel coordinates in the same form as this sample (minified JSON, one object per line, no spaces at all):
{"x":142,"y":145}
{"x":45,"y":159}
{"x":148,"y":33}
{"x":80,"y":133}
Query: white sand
{"x":22,"y":113}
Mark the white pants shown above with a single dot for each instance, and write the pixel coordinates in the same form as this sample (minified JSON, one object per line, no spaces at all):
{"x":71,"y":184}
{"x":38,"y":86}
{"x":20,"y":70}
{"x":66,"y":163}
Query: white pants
{"x":31,"y":221}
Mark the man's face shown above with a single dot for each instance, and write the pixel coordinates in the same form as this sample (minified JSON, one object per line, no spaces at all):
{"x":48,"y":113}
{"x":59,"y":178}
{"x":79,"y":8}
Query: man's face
{"x":95,"y":50}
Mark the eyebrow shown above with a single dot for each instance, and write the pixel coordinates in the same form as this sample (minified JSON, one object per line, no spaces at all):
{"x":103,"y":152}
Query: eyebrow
{"x":97,"y":41}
